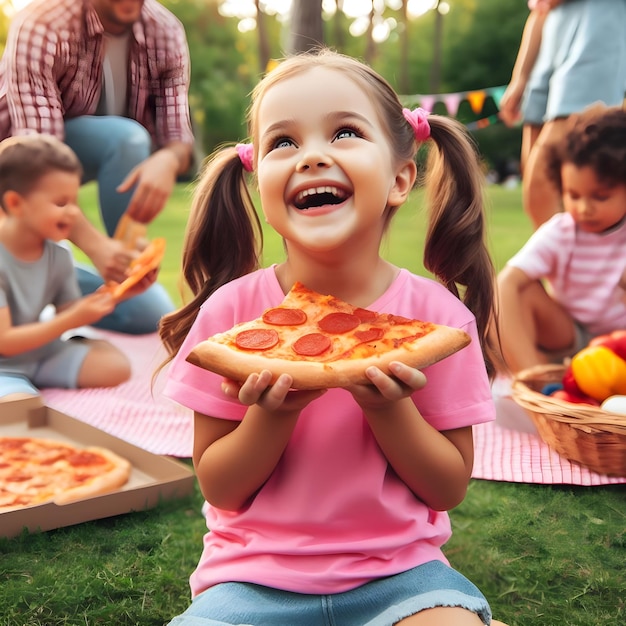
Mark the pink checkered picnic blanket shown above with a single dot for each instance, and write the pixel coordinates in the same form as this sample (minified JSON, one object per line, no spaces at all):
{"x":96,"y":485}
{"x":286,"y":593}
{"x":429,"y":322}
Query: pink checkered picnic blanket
{"x":141,"y":415}
{"x":135,"y":411}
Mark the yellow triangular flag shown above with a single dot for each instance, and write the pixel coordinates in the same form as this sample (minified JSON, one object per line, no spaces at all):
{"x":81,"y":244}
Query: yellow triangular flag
{"x":476,"y":100}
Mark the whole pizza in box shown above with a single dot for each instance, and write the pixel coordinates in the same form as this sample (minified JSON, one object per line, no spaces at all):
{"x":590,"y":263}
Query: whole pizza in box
{"x":37,"y":471}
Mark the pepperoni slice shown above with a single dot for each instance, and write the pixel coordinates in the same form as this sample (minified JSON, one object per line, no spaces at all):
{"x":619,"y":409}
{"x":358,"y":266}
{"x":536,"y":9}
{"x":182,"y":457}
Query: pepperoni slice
{"x":84,"y":457}
{"x":313,"y":344}
{"x":256,"y":339}
{"x":282,"y":316}
{"x":365,"y":315}
{"x":338,"y":323}
{"x":371,"y":334}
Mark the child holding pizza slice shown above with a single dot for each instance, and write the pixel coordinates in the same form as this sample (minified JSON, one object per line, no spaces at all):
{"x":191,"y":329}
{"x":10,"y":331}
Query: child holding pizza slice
{"x":39,"y":182}
{"x":329,"y":506}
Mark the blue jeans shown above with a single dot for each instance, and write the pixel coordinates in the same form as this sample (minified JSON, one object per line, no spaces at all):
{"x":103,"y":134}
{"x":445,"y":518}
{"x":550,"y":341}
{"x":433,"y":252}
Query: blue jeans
{"x":109,"y":147}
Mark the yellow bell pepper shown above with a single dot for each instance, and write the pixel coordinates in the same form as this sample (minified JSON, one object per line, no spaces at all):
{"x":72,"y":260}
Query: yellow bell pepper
{"x":599,"y":372}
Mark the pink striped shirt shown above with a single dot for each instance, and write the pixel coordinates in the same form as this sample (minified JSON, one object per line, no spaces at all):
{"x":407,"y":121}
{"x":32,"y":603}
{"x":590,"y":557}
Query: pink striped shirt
{"x":51,"y":70}
{"x":583,"y":269}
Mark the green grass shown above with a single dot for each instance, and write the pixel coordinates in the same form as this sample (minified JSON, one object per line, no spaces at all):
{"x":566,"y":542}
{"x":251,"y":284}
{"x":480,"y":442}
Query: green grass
{"x":543,"y":555}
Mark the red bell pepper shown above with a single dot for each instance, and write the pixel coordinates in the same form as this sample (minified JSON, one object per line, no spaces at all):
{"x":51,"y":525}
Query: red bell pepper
{"x":615,"y":341}
{"x":561,"y":394}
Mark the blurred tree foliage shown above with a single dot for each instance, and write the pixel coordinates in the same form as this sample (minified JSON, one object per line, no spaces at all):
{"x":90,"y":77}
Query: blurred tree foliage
{"x":478,"y":44}
{"x":478,"y":47}
{"x":480,"y":52}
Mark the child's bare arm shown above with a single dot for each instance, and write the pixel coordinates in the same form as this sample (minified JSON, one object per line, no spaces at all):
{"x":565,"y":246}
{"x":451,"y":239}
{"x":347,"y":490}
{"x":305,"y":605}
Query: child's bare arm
{"x":234,"y":459}
{"x":16,"y":340}
{"x":435,"y":465}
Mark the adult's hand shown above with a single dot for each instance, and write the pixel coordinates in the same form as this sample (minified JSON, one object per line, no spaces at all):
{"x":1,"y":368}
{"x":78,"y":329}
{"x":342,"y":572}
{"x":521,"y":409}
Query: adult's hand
{"x":154,"y":179}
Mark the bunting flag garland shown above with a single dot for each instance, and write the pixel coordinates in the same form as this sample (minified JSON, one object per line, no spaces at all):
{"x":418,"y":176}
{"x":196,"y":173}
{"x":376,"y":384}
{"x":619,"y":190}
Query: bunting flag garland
{"x":476,"y":99}
{"x":452,"y":101}
{"x":483,"y":122}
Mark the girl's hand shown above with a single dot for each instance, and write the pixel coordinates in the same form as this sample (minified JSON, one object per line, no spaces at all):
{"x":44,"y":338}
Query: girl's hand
{"x":385,"y":389}
{"x":278,"y":397}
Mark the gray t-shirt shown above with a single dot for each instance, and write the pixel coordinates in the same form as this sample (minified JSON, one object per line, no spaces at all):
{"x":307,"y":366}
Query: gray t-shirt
{"x":28,"y":287}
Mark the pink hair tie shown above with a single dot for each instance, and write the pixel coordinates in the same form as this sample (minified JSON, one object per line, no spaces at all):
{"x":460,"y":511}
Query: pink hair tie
{"x":246,"y":155}
{"x":419,"y":122}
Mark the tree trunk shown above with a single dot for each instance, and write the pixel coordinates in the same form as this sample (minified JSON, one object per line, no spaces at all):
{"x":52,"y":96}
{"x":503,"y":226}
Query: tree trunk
{"x":307,"y":30}
{"x":404,"y":50}
{"x":340,"y":33}
{"x":264,"y":45}
{"x":435,"y":70}
{"x":370,"y":47}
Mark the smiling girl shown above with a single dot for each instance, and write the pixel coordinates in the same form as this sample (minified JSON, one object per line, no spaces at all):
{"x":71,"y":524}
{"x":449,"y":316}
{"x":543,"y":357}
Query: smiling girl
{"x":330,"y":506}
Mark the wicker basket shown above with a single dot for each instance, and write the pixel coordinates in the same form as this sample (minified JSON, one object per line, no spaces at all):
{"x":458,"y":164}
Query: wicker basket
{"x":581,"y":433}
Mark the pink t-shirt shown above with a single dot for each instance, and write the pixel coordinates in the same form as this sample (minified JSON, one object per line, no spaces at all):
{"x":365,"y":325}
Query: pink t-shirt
{"x":583,"y":269}
{"x":333,"y":515}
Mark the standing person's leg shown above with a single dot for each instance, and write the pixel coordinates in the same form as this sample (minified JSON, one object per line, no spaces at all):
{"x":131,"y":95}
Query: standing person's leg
{"x":530,"y":133}
{"x":541,"y":197}
{"x":109,"y":148}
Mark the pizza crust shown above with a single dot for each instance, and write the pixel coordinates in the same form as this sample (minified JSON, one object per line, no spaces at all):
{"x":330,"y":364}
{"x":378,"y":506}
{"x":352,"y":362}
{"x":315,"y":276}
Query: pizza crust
{"x":130,"y":232}
{"x":238,"y":365}
{"x":148,"y":260}
{"x":105,"y":483}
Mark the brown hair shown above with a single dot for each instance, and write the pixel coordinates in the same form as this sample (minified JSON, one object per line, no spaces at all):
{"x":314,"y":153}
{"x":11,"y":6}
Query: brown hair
{"x":223,"y":238}
{"x":25,"y":159}
{"x":595,"y":138}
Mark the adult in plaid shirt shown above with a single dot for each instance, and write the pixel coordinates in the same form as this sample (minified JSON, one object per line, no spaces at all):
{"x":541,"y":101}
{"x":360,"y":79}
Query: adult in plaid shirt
{"x":110,"y":78}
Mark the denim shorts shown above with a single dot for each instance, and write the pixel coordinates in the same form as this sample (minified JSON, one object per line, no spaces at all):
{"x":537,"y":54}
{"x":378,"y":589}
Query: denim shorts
{"x":381,"y":602}
{"x":59,"y":369}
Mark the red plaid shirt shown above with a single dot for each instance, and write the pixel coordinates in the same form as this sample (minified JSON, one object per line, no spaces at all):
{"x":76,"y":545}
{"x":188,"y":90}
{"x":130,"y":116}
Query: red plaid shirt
{"x":51,"y":70}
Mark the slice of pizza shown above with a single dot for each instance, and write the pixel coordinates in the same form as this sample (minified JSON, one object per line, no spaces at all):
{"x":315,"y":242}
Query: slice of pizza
{"x":149,"y":259}
{"x":130,"y":232}
{"x":323,"y":342}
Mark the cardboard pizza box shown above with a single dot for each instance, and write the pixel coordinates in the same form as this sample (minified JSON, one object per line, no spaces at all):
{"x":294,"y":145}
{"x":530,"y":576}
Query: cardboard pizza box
{"x":153,"y":477}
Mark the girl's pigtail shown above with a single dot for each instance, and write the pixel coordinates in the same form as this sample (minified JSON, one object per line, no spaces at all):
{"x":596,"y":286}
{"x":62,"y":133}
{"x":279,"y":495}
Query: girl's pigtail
{"x":223,"y":240}
{"x":455,"y":248}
